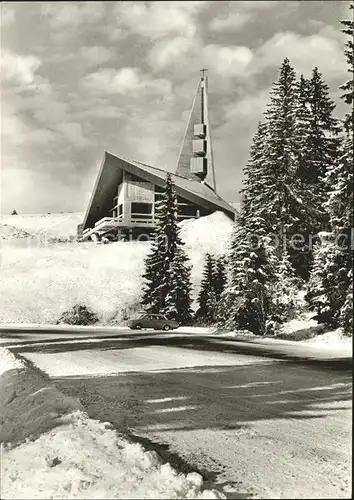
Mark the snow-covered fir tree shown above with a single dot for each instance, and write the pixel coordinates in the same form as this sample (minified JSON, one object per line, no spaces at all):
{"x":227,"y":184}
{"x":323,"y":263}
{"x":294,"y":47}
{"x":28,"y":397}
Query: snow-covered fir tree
{"x":286,"y":300}
{"x":335,"y":274}
{"x":348,"y":86}
{"x":262,"y":288}
{"x":323,"y":142}
{"x":167,"y":273}
{"x":220,"y":276}
{"x":178,"y":299}
{"x":283,"y":201}
{"x":317,"y":149}
{"x":254,"y":175}
{"x":280,"y":193}
{"x":207,"y":299}
{"x":331,"y":280}
{"x":327,"y":291}
{"x":248,"y":300}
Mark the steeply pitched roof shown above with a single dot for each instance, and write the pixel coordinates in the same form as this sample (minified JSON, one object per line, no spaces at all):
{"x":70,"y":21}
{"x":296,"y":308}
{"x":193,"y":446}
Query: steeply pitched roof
{"x":110,"y":175}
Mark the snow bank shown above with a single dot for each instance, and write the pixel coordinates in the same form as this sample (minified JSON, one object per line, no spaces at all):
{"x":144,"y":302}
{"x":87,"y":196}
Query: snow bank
{"x":332,"y":339}
{"x":238,"y":334}
{"x":40,"y":282}
{"x":54,"y":450}
{"x":8,"y":361}
{"x":87,"y":459}
{"x":202,"y":330}
{"x":29,"y":404}
{"x":297,"y":324}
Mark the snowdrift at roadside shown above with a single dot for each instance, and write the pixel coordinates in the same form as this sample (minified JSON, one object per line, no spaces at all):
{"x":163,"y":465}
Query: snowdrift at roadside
{"x":332,"y":338}
{"x":40,"y":282}
{"x":86,"y":459}
{"x":74,"y":456}
{"x":8,"y":361}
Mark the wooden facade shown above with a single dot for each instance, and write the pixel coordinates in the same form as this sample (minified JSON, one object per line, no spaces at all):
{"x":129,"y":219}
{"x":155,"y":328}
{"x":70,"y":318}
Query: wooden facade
{"x":135,"y":208}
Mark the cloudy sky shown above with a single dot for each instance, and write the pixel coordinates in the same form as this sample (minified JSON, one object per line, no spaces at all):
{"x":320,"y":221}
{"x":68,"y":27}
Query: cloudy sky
{"x":79,"y":78}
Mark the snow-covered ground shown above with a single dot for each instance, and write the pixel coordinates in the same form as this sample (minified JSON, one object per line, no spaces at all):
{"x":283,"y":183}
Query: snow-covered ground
{"x":303,"y":329}
{"x":8,"y":361}
{"x":84,"y":458}
{"x":269,"y":428}
{"x":42,"y":227}
{"x":331,"y":339}
{"x":41,"y":279}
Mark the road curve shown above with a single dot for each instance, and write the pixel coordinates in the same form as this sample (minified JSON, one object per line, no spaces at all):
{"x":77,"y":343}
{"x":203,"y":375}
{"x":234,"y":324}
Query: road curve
{"x":266,"y":421}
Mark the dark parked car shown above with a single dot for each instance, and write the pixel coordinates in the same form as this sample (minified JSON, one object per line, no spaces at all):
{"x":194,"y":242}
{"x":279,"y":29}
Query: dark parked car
{"x":155,"y":321}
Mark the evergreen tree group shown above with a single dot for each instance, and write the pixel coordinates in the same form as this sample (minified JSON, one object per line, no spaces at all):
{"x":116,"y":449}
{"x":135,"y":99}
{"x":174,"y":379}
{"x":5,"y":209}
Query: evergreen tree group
{"x":167,"y":279}
{"x":330,"y":291}
{"x":212,"y":286}
{"x":294,"y":229}
{"x":298,"y":189}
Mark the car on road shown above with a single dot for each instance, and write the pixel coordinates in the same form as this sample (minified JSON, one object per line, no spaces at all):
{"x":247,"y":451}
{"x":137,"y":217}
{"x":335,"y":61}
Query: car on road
{"x":155,"y":321}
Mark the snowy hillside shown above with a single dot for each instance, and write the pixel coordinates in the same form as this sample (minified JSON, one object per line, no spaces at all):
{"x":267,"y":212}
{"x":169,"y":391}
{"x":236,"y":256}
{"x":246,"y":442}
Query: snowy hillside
{"x":41,"y":226}
{"x":39,"y":282}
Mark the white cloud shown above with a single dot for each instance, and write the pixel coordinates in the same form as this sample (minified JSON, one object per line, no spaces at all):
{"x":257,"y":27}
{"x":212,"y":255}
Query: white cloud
{"x":125,"y":81}
{"x":304,"y":52}
{"x":232,"y":22}
{"x":70,"y":20}
{"x":7,"y":15}
{"x":171,"y":52}
{"x":104,"y":111}
{"x":49,"y":111}
{"x":249,"y":107}
{"x":239,"y":13}
{"x":227,"y":60}
{"x":94,"y":55}
{"x":71,"y":14}
{"x":257,"y":4}
{"x":112,"y":81}
{"x":73,"y":134}
{"x":159,"y":19}
{"x":18,"y":68}
{"x":224,"y":61}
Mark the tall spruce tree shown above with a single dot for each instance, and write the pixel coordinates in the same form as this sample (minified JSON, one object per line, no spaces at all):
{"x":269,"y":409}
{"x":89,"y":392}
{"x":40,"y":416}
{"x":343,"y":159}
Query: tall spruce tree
{"x":167,"y":274}
{"x":282,"y":202}
{"x":178,"y":299}
{"x":248,"y":301}
{"x":258,"y":261}
{"x":348,"y":86}
{"x":207,"y":299}
{"x":317,"y":149}
{"x":331,"y":280}
{"x":254,"y":175}
{"x":323,"y":141}
{"x":220,"y":277}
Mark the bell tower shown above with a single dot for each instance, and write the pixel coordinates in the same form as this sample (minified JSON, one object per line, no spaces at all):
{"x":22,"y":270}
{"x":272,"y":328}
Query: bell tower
{"x":195,"y":160}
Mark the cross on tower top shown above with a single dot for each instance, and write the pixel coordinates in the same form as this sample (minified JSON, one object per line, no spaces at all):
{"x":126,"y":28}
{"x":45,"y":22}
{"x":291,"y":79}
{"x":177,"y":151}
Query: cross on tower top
{"x":203,"y":72}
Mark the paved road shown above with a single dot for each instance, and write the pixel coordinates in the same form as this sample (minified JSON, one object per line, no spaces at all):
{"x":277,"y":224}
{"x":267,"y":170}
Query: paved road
{"x":259,"y":419}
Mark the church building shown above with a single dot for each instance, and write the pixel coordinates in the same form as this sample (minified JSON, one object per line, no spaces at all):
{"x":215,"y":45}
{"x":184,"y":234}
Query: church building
{"x":126,"y":191}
